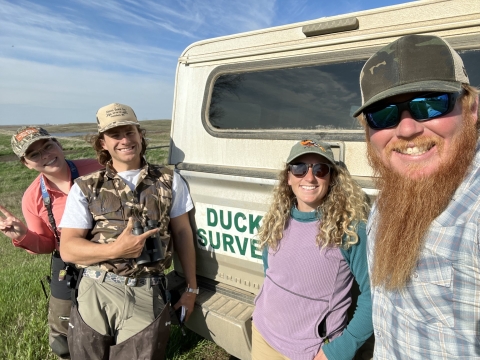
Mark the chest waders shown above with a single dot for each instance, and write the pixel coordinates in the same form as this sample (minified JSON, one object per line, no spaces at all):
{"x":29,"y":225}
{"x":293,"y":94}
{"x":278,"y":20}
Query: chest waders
{"x":59,"y":304}
{"x":85,"y":343}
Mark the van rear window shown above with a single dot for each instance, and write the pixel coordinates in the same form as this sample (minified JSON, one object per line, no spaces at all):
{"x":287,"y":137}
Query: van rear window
{"x":321,"y":97}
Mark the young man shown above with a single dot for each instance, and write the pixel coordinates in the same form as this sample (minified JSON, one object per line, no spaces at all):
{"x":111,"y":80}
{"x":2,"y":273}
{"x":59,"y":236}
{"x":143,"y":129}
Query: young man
{"x":41,"y":152}
{"x":421,"y":121}
{"x":123,"y":311}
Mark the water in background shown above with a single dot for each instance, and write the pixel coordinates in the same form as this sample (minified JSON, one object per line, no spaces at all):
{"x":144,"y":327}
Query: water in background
{"x":68,"y":134}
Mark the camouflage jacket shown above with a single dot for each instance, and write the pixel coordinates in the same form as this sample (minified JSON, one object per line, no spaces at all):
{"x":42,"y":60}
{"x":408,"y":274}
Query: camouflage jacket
{"x":111,"y":202}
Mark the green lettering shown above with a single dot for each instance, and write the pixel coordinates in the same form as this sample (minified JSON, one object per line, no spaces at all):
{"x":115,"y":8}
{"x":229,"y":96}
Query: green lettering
{"x":254,"y":224}
{"x":228,"y":225}
{"x":202,"y":240}
{"x":241,"y":248}
{"x":228,"y":242}
{"x":237,"y":225}
{"x":217,"y":245}
{"x":254,"y":249}
{"x":212,"y":218}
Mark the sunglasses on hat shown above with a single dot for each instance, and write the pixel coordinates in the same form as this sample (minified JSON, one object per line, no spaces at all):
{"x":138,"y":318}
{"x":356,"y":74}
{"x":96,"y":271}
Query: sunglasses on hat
{"x":421,"y":108}
{"x":299,"y":170}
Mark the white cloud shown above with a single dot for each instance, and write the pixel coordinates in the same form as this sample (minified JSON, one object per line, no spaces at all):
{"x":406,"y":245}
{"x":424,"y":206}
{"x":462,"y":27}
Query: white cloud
{"x":38,"y":93}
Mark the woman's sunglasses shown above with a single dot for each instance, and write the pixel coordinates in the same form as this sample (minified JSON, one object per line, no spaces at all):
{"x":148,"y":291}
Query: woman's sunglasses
{"x":421,"y":108}
{"x":301,"y":169}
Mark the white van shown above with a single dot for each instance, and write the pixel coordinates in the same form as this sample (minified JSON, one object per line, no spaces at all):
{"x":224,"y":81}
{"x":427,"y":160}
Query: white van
{"x":242,"y":101}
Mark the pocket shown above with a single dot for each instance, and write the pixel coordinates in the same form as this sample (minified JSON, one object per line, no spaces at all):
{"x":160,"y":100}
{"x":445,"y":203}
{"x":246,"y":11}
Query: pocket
{"x":105,"y":203}
{"x":432,"y":283}
{"x":85,"y":287}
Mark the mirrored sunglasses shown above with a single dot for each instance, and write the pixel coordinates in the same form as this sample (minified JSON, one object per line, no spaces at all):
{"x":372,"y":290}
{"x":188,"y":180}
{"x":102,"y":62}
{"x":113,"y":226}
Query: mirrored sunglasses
{"x":421,"y":108}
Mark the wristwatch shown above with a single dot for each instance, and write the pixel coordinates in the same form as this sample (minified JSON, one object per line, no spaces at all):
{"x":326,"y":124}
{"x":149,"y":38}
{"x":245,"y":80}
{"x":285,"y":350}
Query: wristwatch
{"x":190,"y":290}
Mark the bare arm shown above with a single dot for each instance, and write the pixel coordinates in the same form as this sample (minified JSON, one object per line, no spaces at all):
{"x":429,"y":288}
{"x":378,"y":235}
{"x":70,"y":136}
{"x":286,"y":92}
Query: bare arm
{"x":183,"y":240}
{"x":75,"y":248}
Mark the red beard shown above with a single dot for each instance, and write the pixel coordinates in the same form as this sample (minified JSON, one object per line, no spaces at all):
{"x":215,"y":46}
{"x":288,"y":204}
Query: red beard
{"x":407,"y":207}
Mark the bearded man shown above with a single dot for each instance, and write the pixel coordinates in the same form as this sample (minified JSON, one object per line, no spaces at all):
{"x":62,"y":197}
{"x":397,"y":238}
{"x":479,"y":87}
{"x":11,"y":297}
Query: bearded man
{"x":421,"y":120}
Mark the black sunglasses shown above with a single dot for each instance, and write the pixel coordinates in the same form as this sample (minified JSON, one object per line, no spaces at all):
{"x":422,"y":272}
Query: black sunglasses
{"x":421,"y":108}
{"x":301,"y":169}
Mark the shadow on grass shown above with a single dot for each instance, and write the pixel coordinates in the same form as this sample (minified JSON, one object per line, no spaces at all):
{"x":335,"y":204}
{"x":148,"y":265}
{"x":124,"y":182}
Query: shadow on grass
{"x":193,"y":346}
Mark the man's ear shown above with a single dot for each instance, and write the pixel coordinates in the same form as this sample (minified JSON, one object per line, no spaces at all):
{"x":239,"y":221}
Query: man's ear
{"x":24,"y":162}
{"x":102,"y":143}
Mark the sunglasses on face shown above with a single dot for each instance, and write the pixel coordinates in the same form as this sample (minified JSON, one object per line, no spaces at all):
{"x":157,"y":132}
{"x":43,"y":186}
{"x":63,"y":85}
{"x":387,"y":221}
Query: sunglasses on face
{"x":37,"y":155}
{"x":301,"y":169}
{"x":421,"y":108}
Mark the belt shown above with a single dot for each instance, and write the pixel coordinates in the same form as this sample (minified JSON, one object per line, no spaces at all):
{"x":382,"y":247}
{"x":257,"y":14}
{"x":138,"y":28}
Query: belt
{"x":129,"y":281}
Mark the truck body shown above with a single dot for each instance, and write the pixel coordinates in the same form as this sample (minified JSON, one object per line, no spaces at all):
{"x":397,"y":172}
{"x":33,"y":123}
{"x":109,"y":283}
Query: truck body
{"x":242,"y":101}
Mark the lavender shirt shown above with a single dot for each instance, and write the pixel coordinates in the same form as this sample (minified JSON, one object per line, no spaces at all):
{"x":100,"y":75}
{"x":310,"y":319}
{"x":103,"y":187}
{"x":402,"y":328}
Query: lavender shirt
{"x":304,"y":285}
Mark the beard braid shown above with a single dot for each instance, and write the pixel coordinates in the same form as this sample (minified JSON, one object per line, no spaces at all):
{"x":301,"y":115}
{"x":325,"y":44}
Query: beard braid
{"x":407,"y":207}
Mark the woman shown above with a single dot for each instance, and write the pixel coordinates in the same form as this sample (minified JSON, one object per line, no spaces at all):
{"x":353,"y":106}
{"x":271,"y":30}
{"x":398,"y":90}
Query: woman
{"x":42,"y":205}
{"x":313,"y":240}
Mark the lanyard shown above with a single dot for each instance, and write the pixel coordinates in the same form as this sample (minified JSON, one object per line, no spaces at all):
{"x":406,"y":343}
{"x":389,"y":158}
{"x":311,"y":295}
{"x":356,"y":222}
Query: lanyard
{"x":48,"y":203}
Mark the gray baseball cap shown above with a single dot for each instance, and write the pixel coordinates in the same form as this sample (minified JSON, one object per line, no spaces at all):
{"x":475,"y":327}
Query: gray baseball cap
{"x":413,"y":63}
{"x":311,"y":147}
{"x":26,"y":136}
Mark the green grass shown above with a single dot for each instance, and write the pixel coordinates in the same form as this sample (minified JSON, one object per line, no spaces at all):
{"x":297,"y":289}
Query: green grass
{"x":23,"y":306}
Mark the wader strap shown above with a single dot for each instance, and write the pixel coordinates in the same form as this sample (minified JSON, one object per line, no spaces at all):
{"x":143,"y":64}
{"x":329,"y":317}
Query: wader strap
{"x":48,"y":205}
{"x":75,"y":288}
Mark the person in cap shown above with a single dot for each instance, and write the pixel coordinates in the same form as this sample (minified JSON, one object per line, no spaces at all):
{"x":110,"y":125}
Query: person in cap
{"x":313,"y":239}
{"x":120,"y":226}
{"x":43,"y":204}
{"x":421,"y":120}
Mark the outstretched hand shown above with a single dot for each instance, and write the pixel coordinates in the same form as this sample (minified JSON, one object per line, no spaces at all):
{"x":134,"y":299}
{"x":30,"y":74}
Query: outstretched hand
{"x":11,"y":226}
{"x":129,"y":245}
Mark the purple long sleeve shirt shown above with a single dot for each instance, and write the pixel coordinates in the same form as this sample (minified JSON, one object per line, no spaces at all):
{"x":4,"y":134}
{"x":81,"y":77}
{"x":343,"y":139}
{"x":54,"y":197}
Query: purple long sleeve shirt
{"x":304,"y":285}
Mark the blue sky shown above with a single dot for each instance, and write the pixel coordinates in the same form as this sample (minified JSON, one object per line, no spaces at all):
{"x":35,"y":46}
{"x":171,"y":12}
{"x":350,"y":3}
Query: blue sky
{"x":62,"y":60}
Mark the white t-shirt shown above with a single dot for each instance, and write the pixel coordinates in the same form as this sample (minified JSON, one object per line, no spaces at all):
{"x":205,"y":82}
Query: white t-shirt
{"x":78,"y":216}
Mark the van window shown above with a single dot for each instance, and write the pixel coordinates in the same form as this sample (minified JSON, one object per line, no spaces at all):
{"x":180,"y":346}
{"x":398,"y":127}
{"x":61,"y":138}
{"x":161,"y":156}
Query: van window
{"x":471,"y":59}
{"x":321,"y":97}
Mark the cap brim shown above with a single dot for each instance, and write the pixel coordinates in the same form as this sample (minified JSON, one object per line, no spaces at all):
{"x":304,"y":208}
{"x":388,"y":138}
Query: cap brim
{"x":421,"y":86}
{"x":43,"y":137}
{"x":117,"y":124}
{"x":332,"y":161}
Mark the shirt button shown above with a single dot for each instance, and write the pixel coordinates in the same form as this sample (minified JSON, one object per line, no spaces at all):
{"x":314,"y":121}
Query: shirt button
{"x":415,"y":275}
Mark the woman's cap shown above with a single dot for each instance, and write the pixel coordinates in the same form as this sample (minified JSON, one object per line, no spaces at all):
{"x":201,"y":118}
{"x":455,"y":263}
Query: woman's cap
{"x":114,"y":115}
{"x":311,"y":147}
{"x":26,"y":136}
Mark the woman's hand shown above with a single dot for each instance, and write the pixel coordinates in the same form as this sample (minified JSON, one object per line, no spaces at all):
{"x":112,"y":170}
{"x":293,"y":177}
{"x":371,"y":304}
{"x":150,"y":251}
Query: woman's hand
{"x":11,"y":226}
{"x":320,"y":356}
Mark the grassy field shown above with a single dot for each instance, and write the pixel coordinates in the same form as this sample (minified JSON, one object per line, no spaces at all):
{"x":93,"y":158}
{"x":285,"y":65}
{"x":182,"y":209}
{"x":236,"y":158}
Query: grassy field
{"x":23,"y":306}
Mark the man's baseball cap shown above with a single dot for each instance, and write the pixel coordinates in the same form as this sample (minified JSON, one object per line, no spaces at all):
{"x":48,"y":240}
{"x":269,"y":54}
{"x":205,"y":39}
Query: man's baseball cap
{"x":311,"y":147}
{"x":26,"y":136}
{"x":114,"y":115}
{"x":413,"y":63}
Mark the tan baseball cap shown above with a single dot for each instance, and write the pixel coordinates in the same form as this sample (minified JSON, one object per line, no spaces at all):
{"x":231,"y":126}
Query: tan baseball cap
{"x":114,"y":115}
{"x":26,"y":136}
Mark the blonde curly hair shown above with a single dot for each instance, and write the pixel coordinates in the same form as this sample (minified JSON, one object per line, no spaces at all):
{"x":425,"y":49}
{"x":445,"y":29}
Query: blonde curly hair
{"x":344,"y":206}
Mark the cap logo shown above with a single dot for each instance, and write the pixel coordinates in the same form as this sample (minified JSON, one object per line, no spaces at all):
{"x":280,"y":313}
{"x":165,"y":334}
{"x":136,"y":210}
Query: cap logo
{"x":308,"y":143}
{"x":373,"y":67}
{"x":24,"y":133}
{"x":118,"y":111}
